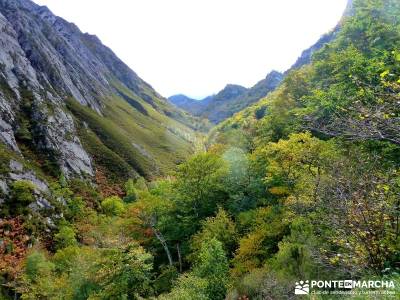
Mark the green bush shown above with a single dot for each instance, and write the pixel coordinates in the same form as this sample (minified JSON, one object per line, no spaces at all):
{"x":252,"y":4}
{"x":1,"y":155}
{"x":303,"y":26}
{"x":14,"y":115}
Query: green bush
{"x":22,"y":192}
{"x":212,"y":265}
{"x":75,"y":208}
{"x":37,"y":266}
{"x":38,"y":281}
{"x":23,"y":132}
{"x":130,"y":190}
{"x":188,"y":286}
{"x":140,"y":184}
{"x":85,"y":190}
{"x":21,"y":195}
{"x":65,"y":237}
{"x":163,"y":283}
{"x":125,"y":273}
{"x":113,"y":206}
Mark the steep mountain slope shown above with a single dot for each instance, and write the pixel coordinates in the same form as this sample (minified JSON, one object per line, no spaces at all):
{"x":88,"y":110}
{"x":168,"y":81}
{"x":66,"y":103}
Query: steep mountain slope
{"x":69,"y":105}
{"x":306,"y":55}
{"x":231,"y":99}
{"x":219,"y":111}
{"x":220,"y":104}
{"x":211,"y":105}
{"x":258,"y":109}
{"x":294,"y":92}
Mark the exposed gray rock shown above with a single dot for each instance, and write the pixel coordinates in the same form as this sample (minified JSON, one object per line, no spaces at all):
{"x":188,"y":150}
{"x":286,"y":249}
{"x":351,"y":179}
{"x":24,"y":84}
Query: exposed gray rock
{"x":18,"y":173}
{"x":60,"y":136}
{"x":14,"y":63}
{"x":6,"y":109}
{"x":76,"y":158}
{"x":45,"y":62}
{"x":41,"y":186}
{"x":72,"y":62}
{"x":54,"y":60}
{"x":3,"y":191}
{"x":50,"y":223}
{"x":7,"y":136}
{"x":14,"y":66}
{"x":41,"y":203}
{"x":30,"y":58}
{"x":3,"y":187}
{"x":16,"y":166}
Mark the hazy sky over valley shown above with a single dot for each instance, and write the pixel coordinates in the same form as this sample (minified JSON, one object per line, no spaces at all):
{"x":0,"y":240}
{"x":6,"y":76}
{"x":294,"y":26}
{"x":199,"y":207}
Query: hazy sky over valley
{"x":197,"y":47}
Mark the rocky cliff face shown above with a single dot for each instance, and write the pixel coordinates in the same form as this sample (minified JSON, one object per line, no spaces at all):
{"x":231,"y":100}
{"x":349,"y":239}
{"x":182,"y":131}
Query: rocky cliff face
{"x":46,"y":63}
{"x":33,"y":58}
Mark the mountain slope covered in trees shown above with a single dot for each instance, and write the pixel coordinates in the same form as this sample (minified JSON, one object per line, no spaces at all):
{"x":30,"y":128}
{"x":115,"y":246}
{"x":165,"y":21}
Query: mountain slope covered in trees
{"x":218,"y":108}
{"x":228,"y":101}
{"x":302,"y":185}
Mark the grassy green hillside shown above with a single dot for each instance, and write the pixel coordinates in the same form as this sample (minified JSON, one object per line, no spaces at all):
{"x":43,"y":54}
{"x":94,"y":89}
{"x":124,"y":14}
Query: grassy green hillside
{"x":134,"y":135}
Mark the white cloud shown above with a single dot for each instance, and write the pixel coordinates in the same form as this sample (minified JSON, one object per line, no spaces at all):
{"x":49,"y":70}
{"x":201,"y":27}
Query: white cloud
{"x":197,"y":47}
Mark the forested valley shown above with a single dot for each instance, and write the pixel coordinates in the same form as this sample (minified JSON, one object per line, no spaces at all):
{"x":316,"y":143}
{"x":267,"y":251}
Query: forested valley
{"x":304,"y":184}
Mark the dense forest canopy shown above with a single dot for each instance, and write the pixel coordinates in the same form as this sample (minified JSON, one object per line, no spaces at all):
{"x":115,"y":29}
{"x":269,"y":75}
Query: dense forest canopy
{"x":304,"y":184}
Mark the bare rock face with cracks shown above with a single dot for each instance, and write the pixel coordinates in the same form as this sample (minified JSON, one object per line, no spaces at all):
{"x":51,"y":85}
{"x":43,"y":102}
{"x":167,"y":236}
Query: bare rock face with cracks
{"x":47,"y":63}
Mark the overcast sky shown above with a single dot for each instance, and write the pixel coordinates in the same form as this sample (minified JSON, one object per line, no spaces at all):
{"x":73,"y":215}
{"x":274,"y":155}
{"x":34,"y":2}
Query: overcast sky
{"x":196,"y":47}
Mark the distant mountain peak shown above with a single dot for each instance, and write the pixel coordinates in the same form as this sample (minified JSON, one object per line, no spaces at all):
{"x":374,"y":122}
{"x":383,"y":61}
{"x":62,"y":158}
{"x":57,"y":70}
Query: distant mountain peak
{"x":273,"y":74}
{"x":234,"y":86}
{"x":231,"y":99}
{"x":229,"y":92}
